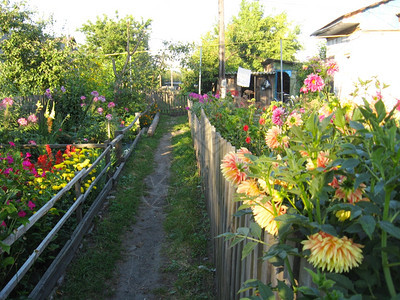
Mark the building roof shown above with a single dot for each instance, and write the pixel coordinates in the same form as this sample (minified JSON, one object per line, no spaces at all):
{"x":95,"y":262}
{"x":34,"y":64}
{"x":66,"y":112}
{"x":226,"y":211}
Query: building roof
{"x":342,"y":25}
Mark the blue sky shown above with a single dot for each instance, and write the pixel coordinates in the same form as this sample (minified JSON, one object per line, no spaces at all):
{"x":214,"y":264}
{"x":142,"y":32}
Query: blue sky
{"x":188,"y":20}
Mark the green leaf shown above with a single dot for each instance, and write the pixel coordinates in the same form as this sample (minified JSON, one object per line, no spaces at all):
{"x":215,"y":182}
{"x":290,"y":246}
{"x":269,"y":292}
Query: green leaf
{"x":314,"y":276}
{"x":390,"y":229}
{"x":362,"y":178}
{"x":243,"y":231}
{"x":368,"y":223}
{"x":237,"y":240}
{"x":368,"y":207}
{"x":7,"y":261}
{"x":226,"y":235}
{"x":354,"y":228}
{"x":379,"y":187}
{"x":308,"y":291}
{"x":249,"y":284}
{"x":340,"y":120}
{"x":284,"y":292}
{"x":248,"y":248}
{"x":350,"y":163}
{"x":356,"y":125}
{"x":255,"y":229}
{"x":5,"y":247}
{"x":381,"y":110}
{"x":342,"y":281}
{"x":266,"y":292}
{"x":325,"y":228}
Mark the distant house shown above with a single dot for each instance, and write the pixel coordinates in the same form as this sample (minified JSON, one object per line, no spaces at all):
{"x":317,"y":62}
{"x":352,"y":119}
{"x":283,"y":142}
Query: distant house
{"x":365,"y":43}
{"x":266,"y":86}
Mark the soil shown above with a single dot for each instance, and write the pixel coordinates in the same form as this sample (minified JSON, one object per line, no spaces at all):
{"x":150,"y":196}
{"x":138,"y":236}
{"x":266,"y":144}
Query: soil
{"x":139,"y":273}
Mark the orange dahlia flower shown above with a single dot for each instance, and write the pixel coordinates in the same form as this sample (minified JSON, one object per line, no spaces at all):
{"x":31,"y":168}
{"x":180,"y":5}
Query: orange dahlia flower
{"x":265,"y":213}
{"x":274,"y":140}
{"x":248,"y":187}
{"x":233,"y":168}
{"x":332,"y":253}
{"x":241,"y":155}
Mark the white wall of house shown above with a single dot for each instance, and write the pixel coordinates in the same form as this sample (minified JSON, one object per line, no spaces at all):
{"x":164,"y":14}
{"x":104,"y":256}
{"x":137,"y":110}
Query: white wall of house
{"x":371,"y":51}
{"x":365,"y":55}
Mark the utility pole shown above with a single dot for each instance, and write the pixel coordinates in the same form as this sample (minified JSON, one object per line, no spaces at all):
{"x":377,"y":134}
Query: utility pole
{"x":221,"y":79}
{"x":201,"y":50}
{"x":281,"y":72}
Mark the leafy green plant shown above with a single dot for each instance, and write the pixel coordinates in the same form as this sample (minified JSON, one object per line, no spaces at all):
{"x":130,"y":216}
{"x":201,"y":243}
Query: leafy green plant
{"x":328,"y":184}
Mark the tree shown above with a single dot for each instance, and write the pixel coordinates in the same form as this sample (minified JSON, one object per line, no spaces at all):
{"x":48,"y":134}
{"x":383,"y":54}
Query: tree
{"x":30,"y":60}
{"x":122,"y":45}
{"x":251,"y":38}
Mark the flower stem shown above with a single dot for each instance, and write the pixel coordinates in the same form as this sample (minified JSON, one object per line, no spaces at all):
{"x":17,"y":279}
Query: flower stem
{"x":290,"y":271}
{"x":385,"y":260}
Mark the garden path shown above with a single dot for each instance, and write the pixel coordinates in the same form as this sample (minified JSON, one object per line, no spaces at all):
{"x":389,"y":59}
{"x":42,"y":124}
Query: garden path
{"x":139,"y":273}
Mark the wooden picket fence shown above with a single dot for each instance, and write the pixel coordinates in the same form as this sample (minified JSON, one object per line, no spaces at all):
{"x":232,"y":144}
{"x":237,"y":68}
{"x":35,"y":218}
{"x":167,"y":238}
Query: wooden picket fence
{"x":111,"y":162}
{"x":169,"y":102}
{"x":231,"y":270}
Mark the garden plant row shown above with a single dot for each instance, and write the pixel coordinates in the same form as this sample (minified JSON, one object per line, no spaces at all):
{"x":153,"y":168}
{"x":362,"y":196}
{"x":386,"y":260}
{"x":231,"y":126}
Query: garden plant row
{"x":52,"y":192}
{"x":321,"y":176}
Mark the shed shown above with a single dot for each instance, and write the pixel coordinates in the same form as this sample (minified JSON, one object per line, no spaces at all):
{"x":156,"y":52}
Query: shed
{"x":266,"y":86}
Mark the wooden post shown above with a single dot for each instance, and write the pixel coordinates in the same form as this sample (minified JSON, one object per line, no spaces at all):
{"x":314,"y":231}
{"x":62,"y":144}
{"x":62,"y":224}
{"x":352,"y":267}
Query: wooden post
{"x":78,"y":193}
{"x":137,"y":122}
{"x":153,"y":125}
{"x":221,"y":44}
{"x":118,"y":147}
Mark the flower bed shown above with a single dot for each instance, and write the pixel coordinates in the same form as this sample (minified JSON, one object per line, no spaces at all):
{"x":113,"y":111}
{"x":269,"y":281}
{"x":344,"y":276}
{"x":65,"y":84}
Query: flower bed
{"x":28,"y":182}
{"x":322,"y":176}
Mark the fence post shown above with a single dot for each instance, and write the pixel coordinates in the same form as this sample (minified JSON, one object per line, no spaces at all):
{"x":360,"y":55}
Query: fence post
{"x":78,"y":193}
{"x":107,"y":161}
{"x":118,"y":147}
{"x":137,"y":122}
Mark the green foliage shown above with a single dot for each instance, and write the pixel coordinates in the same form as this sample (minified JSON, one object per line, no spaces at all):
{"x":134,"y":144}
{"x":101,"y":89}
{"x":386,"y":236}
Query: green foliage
{"x":31,"y":60}
{"x":328,"y":176}
{"x":250,"y":39}
{"x":129,"y":67}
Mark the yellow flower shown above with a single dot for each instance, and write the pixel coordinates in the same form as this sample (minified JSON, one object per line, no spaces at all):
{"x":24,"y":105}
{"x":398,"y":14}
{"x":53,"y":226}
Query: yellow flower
{"x":56,"y":187}
{"x":265,"y":213}
{"x":333,"y":253}
{"x":343,"y":215}
{"x":248,"y":187}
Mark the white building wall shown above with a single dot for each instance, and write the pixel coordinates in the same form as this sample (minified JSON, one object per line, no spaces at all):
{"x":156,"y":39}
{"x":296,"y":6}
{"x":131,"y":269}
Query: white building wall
{"x":364,"y":55}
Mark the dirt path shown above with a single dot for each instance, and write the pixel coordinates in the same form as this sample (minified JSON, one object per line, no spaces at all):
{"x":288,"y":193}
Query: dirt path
{"x":139,"y":272}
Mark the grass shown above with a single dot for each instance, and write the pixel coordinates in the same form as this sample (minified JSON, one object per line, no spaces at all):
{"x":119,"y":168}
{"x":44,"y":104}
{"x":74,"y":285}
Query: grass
{"x":188,"y":271}
{"x":187,"y":225}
